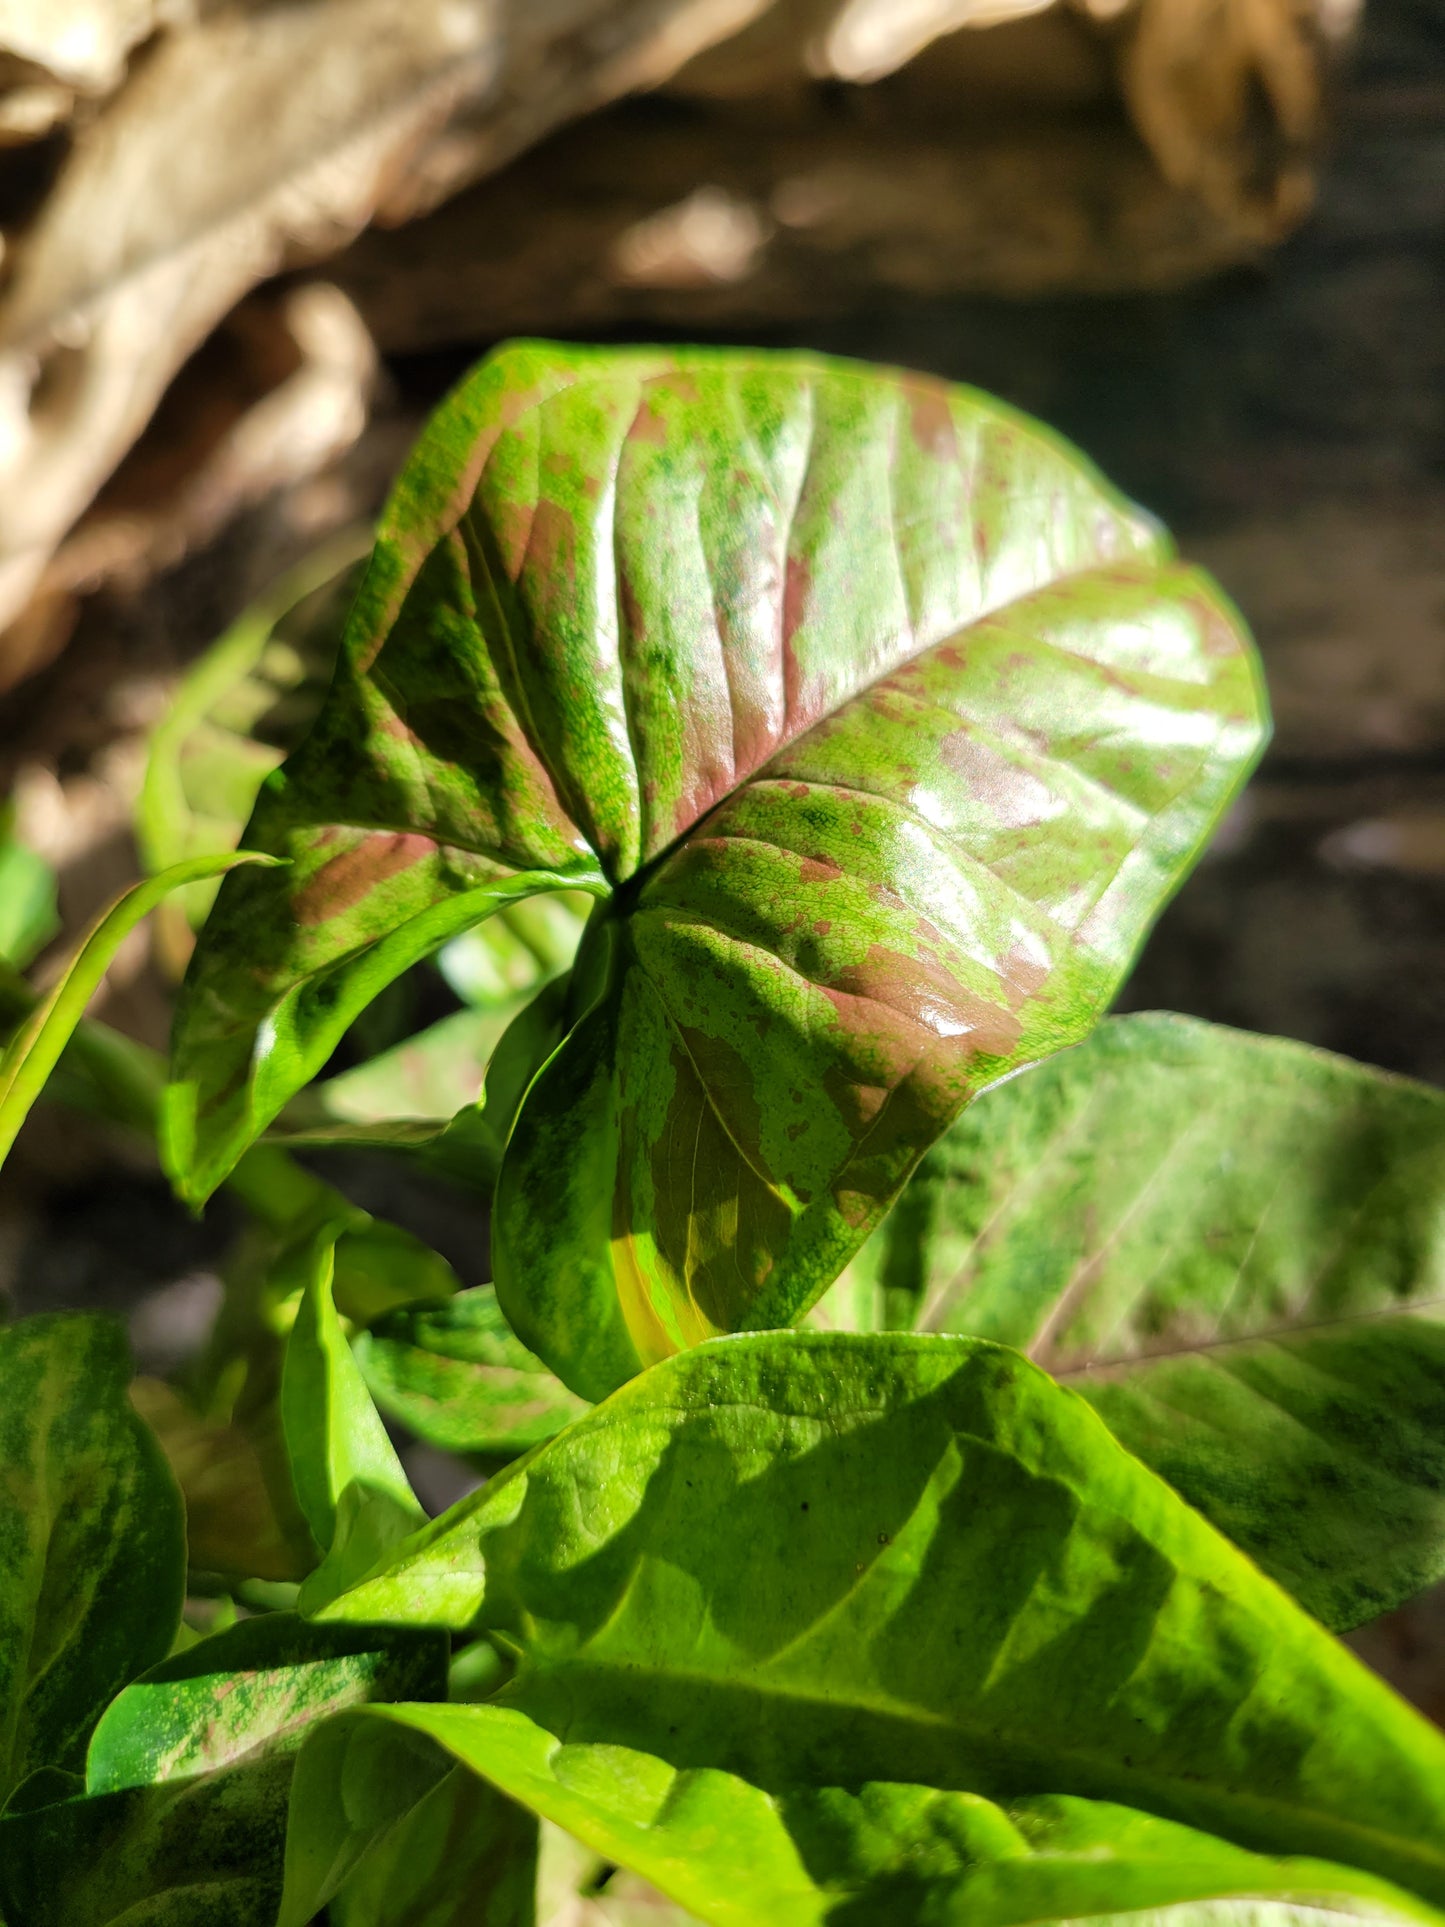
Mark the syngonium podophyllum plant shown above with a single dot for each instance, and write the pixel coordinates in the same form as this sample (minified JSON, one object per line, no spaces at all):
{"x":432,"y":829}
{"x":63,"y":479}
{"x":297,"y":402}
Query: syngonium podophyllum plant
{"x":875,"y":728}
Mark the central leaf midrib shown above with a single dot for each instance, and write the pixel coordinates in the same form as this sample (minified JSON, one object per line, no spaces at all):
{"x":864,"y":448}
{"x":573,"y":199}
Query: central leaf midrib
{"x":1277,"y":1335}
{"x":786,"y":743}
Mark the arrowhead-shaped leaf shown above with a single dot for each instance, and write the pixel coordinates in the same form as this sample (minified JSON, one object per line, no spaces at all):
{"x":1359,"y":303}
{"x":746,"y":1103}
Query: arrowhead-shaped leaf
{"x":1234,"y":1248}
{"x":907,"y":1855}
{"x":92,"y":1539}
{"x":881,"y":722}
{"x":820,"y":1559}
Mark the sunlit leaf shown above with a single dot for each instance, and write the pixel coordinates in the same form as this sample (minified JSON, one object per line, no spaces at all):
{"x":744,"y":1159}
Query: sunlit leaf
{"x":387,"y":1829}
{"x":822,"y":1559}
{"x":910,"y":1856}
{"x":257,"y":1687}
{"x":184,"y":1822}
{"x":1234,"y":1248}
{"x":881,"y":722}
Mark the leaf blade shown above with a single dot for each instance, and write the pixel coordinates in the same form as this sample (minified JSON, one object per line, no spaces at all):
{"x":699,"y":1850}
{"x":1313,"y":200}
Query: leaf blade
{"x":734,"y":1855}
{"x":909,"y":1557}
{"x":1230,"y":1246}
{"x":350,"y":1484}
{"x":456,"y":1376}
{"x":94,"y":1535}
{"x":882,"y":721}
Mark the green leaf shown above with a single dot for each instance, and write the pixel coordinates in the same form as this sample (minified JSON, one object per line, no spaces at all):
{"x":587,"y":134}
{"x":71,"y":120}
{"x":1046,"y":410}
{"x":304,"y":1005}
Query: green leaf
{"x":185,"y":1818}
{"x":387,"y":1829}
{"x":205,"y":1852}
{"x":885,"y":725}
{"x":257,"y":1687}
{"x":29,"y":917}
{"x":455,"y":1376}
{"x":92,"y":1539}
{"x":336,"y":951}
{"x":35,"y":1049}
{"x":1234,"y":1248}
{"x":736,"y":1855}
{"x":822,"y":1558}
{"x":464,"y":1857}
{"x":349,"y":1481}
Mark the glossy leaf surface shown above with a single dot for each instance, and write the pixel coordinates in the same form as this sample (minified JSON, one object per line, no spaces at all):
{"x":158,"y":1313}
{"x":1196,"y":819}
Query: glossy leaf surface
{"x":92,"y":1539}
{"x":905,"y":1855}
{"x":457,"y":1378}
{"x":349,"y":1481}
{"x":1233,"y":1247}
{"x":256,"y":1688}
{"x":886,"y":723}
{"x":824,"y":1558}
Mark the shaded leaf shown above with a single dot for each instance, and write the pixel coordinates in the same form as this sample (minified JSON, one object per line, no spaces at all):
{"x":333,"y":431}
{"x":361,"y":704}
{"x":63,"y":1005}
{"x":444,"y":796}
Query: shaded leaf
{"x":232,"y":1522}
{"x":885,"y":722}
{"x":736,"y":1855}
{"x":185,"y":1820}
{"x":92,"y":1539}
{"x":1234,"y":1248}
{"x":205,"y":1852}
{"x":387,"y":1829}
{"x":349,"y":1481}
{"x":456,"y":1376}
{"x":36,"y":1046}
{"x":825,"y":1558}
